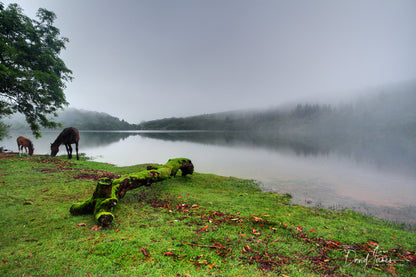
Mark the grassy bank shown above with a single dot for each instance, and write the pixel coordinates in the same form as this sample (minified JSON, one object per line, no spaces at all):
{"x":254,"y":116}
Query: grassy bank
{"x":199,"y":225}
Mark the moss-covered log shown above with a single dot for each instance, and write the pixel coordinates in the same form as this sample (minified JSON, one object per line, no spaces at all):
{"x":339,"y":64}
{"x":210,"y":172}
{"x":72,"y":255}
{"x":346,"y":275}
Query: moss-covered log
{"x":109,"y":191}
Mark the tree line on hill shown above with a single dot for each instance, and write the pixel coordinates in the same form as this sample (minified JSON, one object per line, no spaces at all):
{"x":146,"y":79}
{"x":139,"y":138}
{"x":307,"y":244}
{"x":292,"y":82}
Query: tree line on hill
{"x":81,"y":119}
{"x":376,"y":117}
{"x":380,"y":127}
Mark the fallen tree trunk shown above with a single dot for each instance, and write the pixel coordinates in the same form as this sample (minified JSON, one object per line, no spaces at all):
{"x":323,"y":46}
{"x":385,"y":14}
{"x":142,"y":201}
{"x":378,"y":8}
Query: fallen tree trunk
{"x":109,"y":191}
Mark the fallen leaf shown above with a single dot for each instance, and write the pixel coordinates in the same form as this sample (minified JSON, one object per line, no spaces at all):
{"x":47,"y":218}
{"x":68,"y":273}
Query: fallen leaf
{"x":168,"y":253}
{"x":247,"y":248}
{"x":373,"y":243}
{"x":204,"y":228}
{"x":95,"y":228}
{"x":312,"y":230}
{"x":144,"y":252}
{"x":89,"y":274}
{"x":255,"y":232}
{"x":82,"y":224}
{"x":257,"y":219}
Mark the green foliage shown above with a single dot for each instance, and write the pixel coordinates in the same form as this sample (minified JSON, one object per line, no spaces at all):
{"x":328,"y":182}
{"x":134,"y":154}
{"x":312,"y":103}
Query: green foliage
{"x":202,"y":225}
{"x":3,"y":130}
{"x":32,"y":76}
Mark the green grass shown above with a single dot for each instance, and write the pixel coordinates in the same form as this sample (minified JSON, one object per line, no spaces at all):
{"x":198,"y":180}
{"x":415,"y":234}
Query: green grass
{"x":199,"y":225}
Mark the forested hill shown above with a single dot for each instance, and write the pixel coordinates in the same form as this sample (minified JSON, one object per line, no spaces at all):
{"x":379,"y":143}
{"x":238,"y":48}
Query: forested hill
{"x":388,"y":111}
{"x":83,"y":120}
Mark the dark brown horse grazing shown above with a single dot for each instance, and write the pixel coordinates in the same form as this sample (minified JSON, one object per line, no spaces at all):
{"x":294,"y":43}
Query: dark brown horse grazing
{"x":68,"y":136}
{"x":26,"y":143}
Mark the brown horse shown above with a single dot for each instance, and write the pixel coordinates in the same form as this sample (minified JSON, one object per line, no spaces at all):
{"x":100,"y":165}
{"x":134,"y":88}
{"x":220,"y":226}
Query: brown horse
{"x":23,"y":142}
{"x":68,"y":136}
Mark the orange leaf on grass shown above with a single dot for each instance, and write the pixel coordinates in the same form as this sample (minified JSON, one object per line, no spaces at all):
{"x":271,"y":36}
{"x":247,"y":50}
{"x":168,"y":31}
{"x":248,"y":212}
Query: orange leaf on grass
{"x":144,"y":252}
{"x":168,"y":253}
{"x":247,"y":248}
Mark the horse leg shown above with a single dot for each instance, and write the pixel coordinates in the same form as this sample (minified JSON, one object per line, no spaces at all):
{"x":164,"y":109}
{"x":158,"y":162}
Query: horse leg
{"x":76,"y":148}
{"x":69,"y":150}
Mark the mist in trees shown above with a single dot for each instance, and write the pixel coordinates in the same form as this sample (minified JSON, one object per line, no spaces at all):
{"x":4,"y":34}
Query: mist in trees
{"x":378,"y":126}
{"x":81,"y":119}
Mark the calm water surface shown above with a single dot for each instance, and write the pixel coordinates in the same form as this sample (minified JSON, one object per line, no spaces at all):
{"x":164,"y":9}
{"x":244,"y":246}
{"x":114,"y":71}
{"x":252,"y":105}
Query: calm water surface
{"x":374,"y":183}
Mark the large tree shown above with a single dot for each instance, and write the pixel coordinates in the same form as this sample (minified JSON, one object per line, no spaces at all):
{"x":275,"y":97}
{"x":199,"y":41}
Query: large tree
{"x":32,"y":75}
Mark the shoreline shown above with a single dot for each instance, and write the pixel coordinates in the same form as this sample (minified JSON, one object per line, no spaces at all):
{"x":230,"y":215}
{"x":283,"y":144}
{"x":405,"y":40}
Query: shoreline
{"x":368,"y":210}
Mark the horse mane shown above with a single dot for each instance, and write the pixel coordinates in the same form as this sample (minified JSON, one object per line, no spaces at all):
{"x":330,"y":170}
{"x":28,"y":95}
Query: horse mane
{"x":58,"y":141}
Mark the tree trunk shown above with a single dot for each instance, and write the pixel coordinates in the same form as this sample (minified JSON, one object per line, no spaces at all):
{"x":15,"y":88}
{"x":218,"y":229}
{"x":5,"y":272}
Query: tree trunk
{"x":109,"y":191}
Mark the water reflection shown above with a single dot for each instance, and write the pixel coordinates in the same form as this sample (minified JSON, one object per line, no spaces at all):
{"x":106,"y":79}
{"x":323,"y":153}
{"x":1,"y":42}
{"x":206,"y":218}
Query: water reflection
{"x":246,"y":139}
{"x":390,"y":153}
{"x":99,"y":139}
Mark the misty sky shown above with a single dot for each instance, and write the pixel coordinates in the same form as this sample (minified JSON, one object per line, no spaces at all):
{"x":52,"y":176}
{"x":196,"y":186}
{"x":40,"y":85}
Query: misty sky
{"x":151,"y":59}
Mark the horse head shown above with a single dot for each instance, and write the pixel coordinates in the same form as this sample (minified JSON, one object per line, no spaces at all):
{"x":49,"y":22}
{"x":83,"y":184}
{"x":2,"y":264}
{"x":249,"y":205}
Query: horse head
{"x":54,"y":150}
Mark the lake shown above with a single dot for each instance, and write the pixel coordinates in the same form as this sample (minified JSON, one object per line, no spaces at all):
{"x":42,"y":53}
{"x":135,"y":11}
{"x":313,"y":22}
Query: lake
{"x":378,"y":180}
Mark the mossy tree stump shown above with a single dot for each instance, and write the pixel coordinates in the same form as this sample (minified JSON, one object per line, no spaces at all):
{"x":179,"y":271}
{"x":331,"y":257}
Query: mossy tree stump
{"x":109,"y":191}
